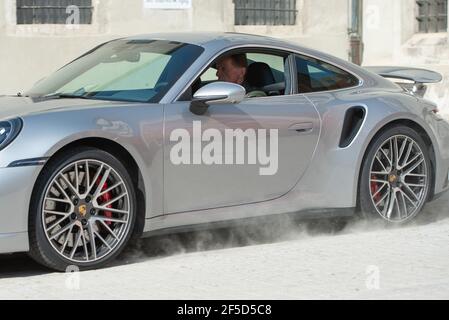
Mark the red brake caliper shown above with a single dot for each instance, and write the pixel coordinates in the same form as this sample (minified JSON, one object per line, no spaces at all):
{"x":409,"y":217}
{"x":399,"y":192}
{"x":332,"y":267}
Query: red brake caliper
{"x":104,"y":199}
{"x":375,"y":188}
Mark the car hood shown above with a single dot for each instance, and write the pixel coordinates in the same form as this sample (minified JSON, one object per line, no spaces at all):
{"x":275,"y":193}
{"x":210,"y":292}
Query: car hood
{"x":13,"y":106}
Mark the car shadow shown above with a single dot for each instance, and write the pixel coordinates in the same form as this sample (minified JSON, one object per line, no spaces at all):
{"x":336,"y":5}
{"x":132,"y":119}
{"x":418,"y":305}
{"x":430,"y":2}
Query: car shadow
{"x":19,"y":265}
{"x":281,"y":229}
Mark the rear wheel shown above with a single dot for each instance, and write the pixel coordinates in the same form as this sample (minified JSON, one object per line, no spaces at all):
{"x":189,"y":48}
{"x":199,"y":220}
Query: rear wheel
{"x":83,"y":210}
{"x":396,"y":176}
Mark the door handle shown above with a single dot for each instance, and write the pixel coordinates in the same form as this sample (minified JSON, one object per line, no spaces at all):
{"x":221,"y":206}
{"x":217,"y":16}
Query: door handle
{"x":305,"y":127}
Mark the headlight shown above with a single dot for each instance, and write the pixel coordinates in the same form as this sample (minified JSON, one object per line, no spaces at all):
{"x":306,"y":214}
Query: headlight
{"x":9,"y":131}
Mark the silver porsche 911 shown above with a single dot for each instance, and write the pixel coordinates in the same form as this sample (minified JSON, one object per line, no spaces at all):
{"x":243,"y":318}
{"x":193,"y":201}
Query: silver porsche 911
{"x":139,"y":137}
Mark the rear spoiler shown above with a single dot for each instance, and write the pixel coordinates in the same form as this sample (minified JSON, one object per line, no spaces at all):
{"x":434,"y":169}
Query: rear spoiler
{"x":419,"y":77}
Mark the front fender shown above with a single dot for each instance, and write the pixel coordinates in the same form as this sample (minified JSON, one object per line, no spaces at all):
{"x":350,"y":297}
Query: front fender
{"x":138,"y":129}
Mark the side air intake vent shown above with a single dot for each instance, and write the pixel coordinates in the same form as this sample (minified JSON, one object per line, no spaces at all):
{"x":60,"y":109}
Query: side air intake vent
{"x":351,"y":126}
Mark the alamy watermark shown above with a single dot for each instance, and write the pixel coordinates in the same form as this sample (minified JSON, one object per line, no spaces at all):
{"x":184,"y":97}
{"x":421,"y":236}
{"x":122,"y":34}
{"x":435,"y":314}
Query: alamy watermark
{"x":373,"y":277}
{"x":73,"y":278}
{"x":74,"y":17}
{"x":236,"y":147}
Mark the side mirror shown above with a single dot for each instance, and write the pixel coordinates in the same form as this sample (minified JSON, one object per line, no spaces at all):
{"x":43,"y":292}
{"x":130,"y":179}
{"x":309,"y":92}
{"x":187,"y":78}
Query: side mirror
{"x":216,"y":93}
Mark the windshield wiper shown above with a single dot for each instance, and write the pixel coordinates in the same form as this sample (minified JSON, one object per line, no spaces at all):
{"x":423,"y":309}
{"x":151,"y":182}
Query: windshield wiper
{"x":65,"y":96}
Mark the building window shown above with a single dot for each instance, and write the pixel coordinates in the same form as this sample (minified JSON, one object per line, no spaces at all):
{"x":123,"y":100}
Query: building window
{"x":54,"y":11}
{"x":432,"y":15}
{"x":265,"y":12}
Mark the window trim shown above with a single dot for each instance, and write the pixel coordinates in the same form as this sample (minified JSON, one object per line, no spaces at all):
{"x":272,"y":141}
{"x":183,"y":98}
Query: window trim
{"x":290,"y":51}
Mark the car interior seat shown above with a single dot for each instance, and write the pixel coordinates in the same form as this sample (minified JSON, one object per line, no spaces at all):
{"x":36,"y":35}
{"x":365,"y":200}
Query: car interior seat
{"x":259,"y":76}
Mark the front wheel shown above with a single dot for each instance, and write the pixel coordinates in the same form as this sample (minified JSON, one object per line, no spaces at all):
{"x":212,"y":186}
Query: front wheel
{"x":396,"y":176}
{"x":83,"y":210}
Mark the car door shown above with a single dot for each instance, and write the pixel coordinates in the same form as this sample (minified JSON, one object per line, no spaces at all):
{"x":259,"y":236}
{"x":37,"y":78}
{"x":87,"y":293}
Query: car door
{"x":287,"y":125}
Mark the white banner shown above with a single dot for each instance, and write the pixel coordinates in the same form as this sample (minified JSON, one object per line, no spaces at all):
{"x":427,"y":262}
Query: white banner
{"x":167,"y":4}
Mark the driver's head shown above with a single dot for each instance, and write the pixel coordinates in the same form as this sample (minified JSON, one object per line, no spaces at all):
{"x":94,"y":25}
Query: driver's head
{"x":232,"y":68}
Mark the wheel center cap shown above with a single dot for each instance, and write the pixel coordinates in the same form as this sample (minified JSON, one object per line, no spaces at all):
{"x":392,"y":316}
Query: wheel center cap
{"x":393,"y":178}
{"x":82,"y":210}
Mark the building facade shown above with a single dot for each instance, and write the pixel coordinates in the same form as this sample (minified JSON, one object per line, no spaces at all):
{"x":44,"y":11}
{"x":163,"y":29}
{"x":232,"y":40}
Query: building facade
{"x":406,"y":31}
{"x":38,"y":36}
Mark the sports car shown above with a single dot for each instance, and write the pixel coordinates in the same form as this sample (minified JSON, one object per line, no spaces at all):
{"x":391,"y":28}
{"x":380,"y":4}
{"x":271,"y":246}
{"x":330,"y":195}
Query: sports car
{"x":139,"y":137}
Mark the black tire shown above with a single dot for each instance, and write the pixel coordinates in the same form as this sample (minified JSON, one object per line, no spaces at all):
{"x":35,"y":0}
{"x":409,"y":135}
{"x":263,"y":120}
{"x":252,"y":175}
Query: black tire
{"x":41,"y":249}
{"x":367,"y":205}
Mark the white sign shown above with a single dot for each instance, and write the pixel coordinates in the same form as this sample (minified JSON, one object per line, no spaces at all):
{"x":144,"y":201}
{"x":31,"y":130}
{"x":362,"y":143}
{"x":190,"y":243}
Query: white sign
{"x":167,"y":4}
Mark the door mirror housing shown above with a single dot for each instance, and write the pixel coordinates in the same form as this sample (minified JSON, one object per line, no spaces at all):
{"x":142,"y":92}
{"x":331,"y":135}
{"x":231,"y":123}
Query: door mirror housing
{"x":216,"y":93}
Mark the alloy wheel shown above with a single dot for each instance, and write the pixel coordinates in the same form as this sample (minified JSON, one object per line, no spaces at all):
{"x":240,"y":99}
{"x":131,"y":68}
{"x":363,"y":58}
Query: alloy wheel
{"x":399,"y":179}
{"x":86,"y":211}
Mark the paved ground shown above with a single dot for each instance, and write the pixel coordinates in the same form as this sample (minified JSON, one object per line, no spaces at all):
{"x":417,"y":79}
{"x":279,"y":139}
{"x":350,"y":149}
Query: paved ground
{"x":281,"y":261}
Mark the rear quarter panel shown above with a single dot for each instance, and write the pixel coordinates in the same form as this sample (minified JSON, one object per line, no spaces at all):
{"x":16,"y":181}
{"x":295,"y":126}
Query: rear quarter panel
{"x":335,"y":172}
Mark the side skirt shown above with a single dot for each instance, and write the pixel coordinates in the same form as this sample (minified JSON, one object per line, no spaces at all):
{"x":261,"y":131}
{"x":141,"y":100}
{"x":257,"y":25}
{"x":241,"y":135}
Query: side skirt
{"x":295,"y":216}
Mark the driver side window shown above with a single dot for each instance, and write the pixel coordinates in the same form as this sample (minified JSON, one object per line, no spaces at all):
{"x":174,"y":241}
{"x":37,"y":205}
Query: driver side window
{"x":265,"y":73}
{"x":209,"y":76}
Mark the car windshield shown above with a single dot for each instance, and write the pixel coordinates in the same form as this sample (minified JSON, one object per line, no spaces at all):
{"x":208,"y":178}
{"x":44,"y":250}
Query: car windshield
{"x":122,"y":70}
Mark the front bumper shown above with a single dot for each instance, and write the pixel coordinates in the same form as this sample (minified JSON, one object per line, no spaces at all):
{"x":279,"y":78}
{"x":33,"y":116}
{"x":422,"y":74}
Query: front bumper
{"x":16,"y":187}
{"x":14,"y":242}
{"x":441,"y":180}
{"x":441,"y":130}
